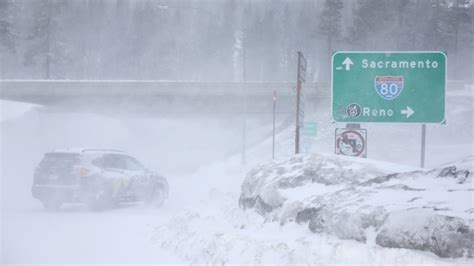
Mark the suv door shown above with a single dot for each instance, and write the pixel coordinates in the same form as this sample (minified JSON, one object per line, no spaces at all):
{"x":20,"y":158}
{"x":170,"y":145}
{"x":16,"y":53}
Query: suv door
{"x":133,"y":164}
{"x":115,"y":172}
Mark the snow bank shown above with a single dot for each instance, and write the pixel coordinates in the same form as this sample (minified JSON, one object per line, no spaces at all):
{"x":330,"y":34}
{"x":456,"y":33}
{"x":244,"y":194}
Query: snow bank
{"x":11,"y":110}
{"x":346,"y":197}
{"x":216,"y":231}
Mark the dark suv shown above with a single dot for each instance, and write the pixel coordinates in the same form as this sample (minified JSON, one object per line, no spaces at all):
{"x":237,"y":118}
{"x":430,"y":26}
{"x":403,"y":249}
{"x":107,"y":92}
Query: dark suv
{"x":96,"y":177}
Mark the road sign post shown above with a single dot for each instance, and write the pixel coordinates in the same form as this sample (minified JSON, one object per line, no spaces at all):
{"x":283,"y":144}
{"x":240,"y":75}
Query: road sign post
{"x":423,"y":145}
{"x":391,"y":87}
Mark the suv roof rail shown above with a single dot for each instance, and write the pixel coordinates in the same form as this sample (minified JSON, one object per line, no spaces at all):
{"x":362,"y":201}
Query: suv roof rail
{"x":84,"y":149}
{"x":110,"y":150}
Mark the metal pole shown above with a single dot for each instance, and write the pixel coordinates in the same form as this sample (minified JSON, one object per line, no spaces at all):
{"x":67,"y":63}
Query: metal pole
{"x":423,"y":145}
{"x":274,"y":110}
{"x":244,"y":98}
{"x":298,"y":92}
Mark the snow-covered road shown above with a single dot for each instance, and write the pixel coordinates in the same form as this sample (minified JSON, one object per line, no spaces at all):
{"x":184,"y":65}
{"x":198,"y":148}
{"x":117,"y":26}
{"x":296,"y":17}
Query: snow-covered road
{"x":78,"y":236}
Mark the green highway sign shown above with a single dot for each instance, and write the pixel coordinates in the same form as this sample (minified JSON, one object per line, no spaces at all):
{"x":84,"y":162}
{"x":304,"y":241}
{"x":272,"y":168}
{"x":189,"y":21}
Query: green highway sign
{"x":309,"y":129}
{"x":394,"y":87}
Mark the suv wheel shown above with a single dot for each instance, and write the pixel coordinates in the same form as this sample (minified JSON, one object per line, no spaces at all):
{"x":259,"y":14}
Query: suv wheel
{"x":157,"y":197}
{"x":52,"y":204}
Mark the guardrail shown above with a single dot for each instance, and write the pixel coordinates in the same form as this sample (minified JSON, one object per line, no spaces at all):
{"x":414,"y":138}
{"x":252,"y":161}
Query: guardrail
{"x":38,"y":91}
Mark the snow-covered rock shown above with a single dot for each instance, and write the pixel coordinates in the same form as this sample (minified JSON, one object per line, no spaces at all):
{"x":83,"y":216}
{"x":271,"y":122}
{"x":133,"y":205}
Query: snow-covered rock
{"x":445,"y":236}
{"x":217,"y":232}
{"x":346,"y":197}
{"x":268,"y":186}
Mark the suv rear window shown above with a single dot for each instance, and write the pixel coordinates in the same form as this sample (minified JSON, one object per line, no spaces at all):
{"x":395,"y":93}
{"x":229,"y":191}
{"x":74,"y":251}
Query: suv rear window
{"x":57,"y":168}
{"x":56,"y":158}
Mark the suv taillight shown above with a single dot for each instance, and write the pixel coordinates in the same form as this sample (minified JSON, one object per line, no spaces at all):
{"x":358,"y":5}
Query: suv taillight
{"x":83,"y":171}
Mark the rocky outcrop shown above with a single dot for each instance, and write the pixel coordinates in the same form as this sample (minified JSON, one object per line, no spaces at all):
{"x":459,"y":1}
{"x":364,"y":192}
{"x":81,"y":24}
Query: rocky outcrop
{"x":415,"y":209}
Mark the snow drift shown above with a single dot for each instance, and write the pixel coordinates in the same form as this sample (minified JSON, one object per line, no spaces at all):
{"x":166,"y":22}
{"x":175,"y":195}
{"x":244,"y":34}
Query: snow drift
{"x":347,"y":197}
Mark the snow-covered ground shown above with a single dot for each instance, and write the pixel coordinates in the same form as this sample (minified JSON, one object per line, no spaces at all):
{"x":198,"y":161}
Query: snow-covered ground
{"x":215,"y":230}
{"x":75,"y":235}
{"x":201,"y":222}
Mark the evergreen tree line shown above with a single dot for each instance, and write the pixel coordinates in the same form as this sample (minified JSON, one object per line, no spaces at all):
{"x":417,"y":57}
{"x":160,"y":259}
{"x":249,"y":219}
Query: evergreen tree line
{"x":220,"y":40}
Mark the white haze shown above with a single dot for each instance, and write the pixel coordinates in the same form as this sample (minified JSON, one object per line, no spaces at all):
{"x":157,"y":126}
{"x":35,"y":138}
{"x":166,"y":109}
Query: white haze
{"x":201,"y":153}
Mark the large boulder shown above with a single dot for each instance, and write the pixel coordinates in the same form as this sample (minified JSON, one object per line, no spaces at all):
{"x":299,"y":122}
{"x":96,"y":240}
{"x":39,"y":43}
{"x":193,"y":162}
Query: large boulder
{"x":346,"y":196}
{"x":264,"y":186}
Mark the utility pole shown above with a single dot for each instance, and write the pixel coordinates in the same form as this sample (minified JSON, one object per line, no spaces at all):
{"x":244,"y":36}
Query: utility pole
{"x":301,"y":77}
{"x":244,"y":101}
{"x":274,"y":111}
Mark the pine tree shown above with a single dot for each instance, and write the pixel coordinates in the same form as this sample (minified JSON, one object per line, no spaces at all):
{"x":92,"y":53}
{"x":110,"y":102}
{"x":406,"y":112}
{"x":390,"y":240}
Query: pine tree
{"x":270,"y":55}
{"x":44,"y":47}
{"x":456,"y":32}
{"x":330,"y":28}
{"x":9,"y":39}
{"x":286,"y":51}
{"x":330,"y":22}
{"x":7,"y":35}
{"x":147,"y":23}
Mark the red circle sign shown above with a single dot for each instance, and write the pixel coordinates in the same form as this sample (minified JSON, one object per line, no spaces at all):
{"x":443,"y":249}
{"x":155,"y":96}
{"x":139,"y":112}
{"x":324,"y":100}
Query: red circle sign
{"x":351,"y":143}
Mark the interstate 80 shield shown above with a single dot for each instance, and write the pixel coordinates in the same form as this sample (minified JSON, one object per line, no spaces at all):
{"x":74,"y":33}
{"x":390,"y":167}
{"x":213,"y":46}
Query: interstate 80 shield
{"x":388,"y":87}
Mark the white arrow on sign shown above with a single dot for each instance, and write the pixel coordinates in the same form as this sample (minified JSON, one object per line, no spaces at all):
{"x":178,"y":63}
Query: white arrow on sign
{"x":408,"y":112}
{"x":347,"y":62}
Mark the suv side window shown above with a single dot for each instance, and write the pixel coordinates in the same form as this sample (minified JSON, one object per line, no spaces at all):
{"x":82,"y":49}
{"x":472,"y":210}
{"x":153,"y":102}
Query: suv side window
{"x":114,"y":161}
{"x":99,"y":162}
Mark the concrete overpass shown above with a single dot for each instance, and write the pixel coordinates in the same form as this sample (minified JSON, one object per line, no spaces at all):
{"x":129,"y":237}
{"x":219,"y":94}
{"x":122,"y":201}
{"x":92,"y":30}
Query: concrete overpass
{"x":161,"y":96}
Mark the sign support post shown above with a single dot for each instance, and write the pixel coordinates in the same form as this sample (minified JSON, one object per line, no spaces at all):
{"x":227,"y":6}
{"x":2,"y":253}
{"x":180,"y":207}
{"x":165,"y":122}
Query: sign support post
{"x":423,"y":145}
{"x":297,"y":129}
